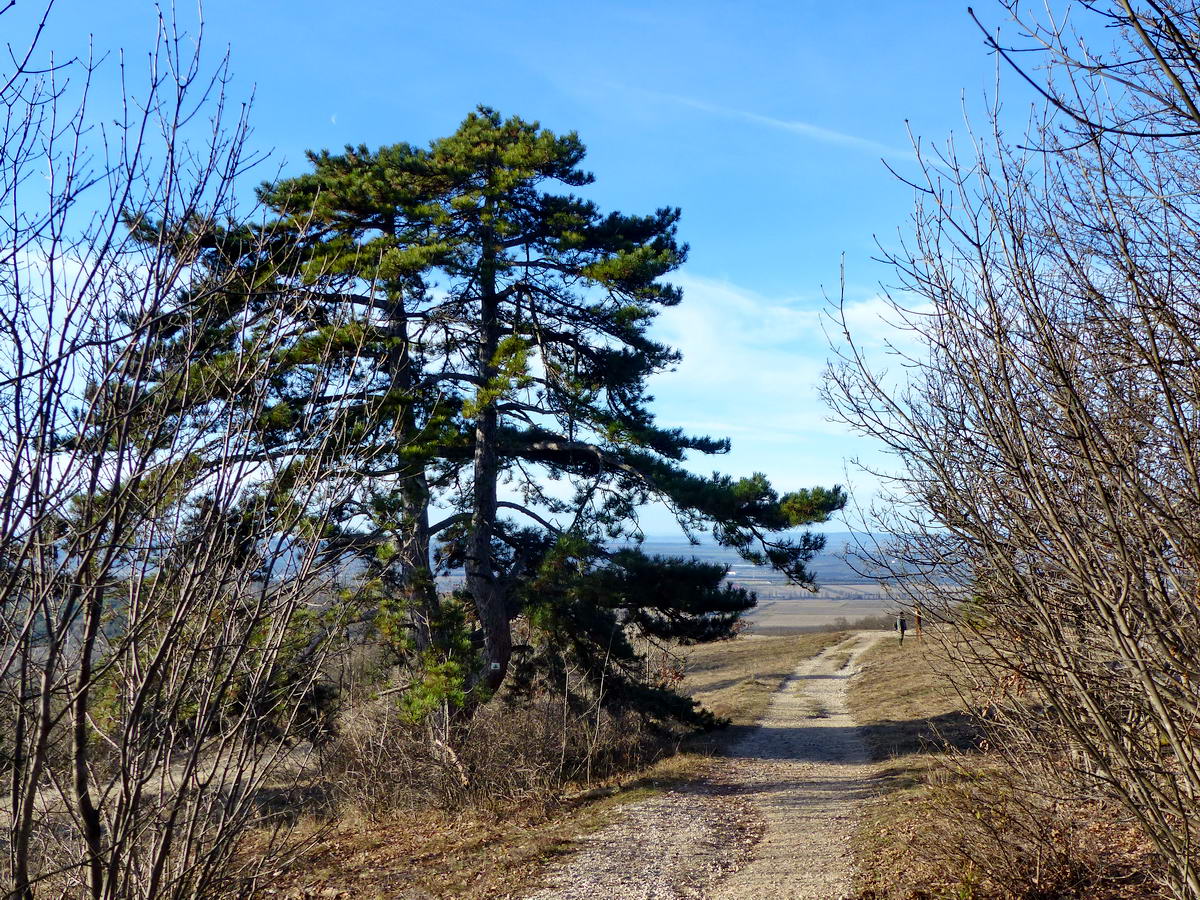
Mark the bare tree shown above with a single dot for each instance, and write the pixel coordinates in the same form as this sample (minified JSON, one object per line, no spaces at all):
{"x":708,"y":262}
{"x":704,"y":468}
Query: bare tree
{"x":1048,"y":424}
{"x":162,"y":633}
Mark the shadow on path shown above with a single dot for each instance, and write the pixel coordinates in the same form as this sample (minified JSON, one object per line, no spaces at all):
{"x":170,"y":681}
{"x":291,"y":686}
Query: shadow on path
{"x":890,"y":738}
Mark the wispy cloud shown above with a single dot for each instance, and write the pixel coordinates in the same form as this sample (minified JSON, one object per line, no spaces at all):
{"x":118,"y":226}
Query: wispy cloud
{"x":750,"y":363}
{"x":794,"y":126}
{"x":751,"y":370}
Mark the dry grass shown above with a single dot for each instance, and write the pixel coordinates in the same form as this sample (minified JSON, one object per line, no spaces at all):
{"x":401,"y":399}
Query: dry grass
{"x":956,"y":822}
{"x":735,"y":679}
{"x":427,"y":854}
{"x":430,"y":855}
{"x":905,"y":703}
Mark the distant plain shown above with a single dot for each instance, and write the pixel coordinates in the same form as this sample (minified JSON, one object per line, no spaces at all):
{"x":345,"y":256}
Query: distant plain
{"x":844,"y":592}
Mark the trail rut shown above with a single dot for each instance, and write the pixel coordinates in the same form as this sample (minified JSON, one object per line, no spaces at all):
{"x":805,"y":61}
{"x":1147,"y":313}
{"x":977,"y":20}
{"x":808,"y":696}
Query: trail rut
{"x":796,"y":780}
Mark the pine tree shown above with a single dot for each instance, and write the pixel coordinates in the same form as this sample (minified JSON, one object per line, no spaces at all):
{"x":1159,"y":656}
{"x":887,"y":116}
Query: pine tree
{"x":496,"y":334}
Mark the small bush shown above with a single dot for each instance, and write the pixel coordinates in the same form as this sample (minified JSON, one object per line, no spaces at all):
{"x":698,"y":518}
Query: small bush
{"x":1003,"y":836}
{"x":983,"y":830}
{"x":504,"y":756}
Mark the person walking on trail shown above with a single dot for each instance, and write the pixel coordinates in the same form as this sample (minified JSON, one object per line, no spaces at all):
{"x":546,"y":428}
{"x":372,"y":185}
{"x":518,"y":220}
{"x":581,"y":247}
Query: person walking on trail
{"x":901,"y":626}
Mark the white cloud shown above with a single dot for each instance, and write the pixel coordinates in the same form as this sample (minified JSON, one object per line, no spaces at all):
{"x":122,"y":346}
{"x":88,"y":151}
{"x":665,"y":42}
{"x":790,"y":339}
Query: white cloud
{"x":721,"y":327}
{"x":876,"y":324}
{"x":795,"y":126}
{"x":739,"y":342}
{"x":751,"y":365}
{"x":751,"y":371}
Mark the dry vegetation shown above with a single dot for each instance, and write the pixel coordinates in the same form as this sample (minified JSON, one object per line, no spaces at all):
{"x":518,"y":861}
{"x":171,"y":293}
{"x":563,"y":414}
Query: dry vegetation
{"x":735,"y":679}
{"x":425,"y":853}
{"x":905,"y":703}
{"x":954,"y":820}
{"x":1047,"y":492}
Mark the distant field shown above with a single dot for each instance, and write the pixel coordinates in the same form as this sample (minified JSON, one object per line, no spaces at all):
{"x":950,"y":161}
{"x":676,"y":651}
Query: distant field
{"x":782,"y":607}
{"x":786,"y":608}
{"x":829,"y":566}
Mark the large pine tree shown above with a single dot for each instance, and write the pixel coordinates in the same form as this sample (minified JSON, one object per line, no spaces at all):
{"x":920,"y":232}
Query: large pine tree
{"x":495,"y":332}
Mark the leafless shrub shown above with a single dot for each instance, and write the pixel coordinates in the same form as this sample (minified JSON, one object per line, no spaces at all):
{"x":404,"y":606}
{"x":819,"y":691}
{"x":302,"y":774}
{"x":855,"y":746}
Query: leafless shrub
{"x":1046,"y":415}
{"x":505,"y":756}
{"x":161,"y":630}
{"x":989,"y":830}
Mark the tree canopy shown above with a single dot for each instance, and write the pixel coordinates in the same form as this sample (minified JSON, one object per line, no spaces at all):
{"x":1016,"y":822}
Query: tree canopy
{"x":491,"y":334}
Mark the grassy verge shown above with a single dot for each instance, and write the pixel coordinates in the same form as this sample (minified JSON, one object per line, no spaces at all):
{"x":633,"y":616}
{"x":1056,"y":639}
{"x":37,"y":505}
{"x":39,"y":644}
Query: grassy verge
{"x":427,"y":854}
{"x":735,"y":679}
{"x":954,"y":821}
{"x":906,"y":709}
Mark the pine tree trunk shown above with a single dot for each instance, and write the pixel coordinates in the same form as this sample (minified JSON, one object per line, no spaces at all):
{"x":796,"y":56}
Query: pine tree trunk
{"x":420,"y":589}
{"x":481,"y":577}
{"x":417,"y":584}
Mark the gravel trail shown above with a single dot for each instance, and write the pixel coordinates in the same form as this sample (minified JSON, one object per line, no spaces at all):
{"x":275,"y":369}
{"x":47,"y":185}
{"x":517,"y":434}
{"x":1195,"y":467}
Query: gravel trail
{"x":770,"y":820}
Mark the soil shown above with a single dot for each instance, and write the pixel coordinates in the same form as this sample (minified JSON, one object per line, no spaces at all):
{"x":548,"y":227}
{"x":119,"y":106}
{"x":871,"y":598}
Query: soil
{"x":770,"y":819}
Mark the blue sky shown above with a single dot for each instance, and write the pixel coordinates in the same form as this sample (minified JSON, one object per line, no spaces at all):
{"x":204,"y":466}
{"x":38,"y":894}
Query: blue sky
{"x":765,"y":121}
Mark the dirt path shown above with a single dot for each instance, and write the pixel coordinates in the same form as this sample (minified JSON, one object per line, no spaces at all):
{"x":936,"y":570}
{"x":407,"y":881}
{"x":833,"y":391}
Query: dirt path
{"x":798,"y":777}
